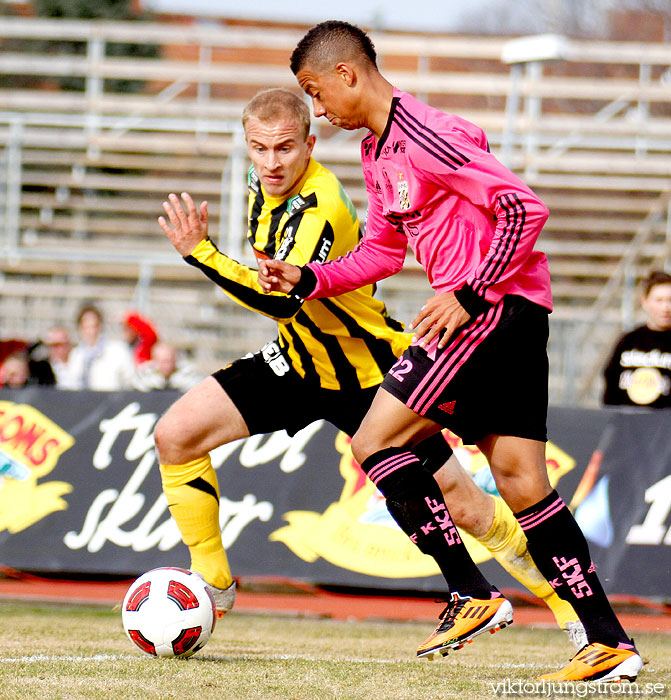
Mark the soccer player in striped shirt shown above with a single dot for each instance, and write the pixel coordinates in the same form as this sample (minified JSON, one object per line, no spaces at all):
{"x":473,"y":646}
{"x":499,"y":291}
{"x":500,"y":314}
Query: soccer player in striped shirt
{"x":327,"y":362}
{"x":479,"y":363}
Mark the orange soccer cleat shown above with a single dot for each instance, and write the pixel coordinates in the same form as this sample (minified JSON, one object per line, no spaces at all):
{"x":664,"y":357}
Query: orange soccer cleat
{"x":463,"y":619}
{"x":597,"y":662}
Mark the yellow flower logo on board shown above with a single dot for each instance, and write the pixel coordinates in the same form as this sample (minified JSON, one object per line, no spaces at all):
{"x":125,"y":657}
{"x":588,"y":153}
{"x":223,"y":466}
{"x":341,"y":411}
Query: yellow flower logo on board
{"x":358,"y":534}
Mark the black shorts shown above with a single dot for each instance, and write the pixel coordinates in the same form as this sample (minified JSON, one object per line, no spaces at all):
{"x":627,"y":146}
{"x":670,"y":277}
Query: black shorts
{"x":490,"y":379}
{"x":271,"y":395}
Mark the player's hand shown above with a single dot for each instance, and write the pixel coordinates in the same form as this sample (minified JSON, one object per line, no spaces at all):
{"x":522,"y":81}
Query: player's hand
{"x":186,"y":228}
{"x":440,"y":313}
{"x":278,"y":276}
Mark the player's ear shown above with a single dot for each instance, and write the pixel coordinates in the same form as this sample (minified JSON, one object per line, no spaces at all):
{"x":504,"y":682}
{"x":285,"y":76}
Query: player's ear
{"x":310,"y":141}
{"x":346,"y":73}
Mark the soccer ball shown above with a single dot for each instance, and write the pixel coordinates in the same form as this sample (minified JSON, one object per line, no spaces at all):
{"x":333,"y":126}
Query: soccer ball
{"x":169,"y":612}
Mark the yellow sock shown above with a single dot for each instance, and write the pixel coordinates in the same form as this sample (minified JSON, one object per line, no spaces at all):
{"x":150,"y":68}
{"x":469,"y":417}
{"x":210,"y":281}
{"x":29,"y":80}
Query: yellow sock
{"x":193,"y":498}
{"x":506,"y":542}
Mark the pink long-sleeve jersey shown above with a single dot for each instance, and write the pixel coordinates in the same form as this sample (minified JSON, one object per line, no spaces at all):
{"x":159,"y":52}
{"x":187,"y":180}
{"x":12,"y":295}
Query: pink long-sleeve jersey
{"x":471,"y":223}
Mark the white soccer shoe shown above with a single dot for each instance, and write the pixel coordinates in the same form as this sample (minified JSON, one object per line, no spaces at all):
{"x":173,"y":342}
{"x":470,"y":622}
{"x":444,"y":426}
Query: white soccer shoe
{"x":224,"y":598}
{"x":576,"y":634}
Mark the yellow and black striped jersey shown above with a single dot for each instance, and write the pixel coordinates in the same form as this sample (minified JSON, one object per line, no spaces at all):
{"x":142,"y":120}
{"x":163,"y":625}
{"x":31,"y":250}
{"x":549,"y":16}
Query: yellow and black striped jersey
{"x":345,"y":341}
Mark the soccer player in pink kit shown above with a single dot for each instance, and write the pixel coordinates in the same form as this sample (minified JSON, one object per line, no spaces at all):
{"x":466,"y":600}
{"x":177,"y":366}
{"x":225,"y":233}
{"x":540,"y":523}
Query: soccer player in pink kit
{"x":479,"y":363}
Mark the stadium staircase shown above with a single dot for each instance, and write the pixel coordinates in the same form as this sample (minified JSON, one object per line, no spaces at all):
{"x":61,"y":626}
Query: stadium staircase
{"x":83,"y":171}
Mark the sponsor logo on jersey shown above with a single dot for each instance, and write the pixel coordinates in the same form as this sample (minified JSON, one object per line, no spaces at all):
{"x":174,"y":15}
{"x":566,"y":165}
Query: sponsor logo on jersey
{"x":295,"y":203}
{"x":274,"y":358}
{"x":396,"y":147}
{"x":403,"y":193}
{"x":403,"y":222}
{"x":324,"y":250}
{"x":287,"y":243}
{"x":387,"y":183}
{"x":253,"y":181}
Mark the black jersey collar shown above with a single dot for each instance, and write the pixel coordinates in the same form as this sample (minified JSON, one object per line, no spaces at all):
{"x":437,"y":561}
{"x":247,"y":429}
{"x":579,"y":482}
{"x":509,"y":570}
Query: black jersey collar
{"x":387,"y":128}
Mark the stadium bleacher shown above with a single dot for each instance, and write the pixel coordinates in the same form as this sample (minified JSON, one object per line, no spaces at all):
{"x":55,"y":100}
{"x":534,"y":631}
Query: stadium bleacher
{"x":83,"y":172}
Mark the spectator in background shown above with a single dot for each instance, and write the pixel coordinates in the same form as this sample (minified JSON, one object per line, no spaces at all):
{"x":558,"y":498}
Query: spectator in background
{"x":639,"y":370}
{"x":39,"y":370}
{"x":10,"y":347}
{"x":140,"y":334}
{"x":58,"y":345}
{"x":97,"y":362}
{"x":165,"y":371}
{"x":15,"y":372}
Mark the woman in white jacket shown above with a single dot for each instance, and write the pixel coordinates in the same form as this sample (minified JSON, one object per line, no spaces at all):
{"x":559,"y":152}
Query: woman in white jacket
{"x":97,"y":362}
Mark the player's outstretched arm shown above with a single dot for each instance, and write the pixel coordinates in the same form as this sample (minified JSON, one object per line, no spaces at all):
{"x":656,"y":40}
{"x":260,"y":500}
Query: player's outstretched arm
{"x":278,"y":276}
{"x":186,"y":228}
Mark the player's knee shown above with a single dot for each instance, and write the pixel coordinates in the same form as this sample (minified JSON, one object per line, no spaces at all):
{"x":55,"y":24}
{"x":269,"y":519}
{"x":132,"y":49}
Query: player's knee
{"x":166,"y":439}
{"x":521,"y":491}
{"x":357,"y":450}
{"x":363,"y":447}
{"x":161,"y":437}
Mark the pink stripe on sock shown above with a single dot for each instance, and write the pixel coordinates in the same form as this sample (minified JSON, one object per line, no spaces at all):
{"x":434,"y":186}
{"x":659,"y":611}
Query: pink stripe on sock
{"x":542,"y":517}
{"x":390,"y":465}
{"x":535,"y":514}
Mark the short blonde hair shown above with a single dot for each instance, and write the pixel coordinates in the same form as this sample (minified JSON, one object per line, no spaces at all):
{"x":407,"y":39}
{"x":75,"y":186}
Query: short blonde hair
{"x":270,"y":105}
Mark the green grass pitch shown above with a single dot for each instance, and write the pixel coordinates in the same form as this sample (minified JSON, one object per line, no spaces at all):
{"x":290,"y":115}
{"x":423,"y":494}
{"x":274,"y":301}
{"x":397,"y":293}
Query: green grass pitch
{"x":72,"y":652}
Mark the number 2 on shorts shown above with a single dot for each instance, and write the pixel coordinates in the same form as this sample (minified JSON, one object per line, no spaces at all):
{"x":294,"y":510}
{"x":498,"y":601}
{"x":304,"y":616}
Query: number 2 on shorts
{"x":401,"y":367}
